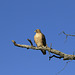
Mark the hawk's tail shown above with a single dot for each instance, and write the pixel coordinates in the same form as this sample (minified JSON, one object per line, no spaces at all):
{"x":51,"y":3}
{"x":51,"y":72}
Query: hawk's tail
{"x":44,"y":52}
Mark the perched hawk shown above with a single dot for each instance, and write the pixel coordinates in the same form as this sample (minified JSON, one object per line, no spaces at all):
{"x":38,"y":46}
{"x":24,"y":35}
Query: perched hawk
{"x":40,"y":40}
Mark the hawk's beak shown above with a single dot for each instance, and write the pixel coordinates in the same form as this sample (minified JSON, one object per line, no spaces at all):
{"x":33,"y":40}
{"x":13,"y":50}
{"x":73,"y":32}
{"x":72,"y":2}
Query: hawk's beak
{"x":35,"y":31}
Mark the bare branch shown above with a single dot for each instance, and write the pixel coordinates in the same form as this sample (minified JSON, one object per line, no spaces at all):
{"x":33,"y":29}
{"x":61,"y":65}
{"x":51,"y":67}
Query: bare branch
{"x":61,"y":54}
{"x":30,"y":42}
{"x":54,"y":56}
{"x":67,"y":34}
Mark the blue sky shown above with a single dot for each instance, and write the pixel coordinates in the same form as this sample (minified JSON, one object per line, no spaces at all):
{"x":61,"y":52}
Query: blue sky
{"x":18,"y":21}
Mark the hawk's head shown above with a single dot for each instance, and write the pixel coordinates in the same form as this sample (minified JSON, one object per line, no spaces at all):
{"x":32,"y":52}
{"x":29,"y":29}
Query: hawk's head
{"x":37,"y":31}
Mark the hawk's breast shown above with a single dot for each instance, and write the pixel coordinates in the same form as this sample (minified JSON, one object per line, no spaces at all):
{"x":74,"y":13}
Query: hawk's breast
{"x":38,"y":39}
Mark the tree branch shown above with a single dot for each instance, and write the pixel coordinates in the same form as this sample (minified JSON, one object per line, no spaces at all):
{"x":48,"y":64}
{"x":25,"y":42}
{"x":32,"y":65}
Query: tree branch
{"x":61,"y":54}
{"x":67,"y":34}
{"x":55,"y":57}
{"x":30,"y":42}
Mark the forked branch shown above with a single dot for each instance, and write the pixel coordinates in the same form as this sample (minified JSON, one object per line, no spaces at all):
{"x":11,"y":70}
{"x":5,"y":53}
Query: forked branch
{"x":66,"y":34}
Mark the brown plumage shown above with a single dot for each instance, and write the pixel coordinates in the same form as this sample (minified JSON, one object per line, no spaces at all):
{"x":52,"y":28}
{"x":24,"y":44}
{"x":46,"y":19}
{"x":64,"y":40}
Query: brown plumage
{"x":40,"y":40}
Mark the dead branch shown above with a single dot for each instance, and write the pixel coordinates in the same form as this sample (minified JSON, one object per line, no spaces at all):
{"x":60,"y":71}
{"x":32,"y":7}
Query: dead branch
{"x":67,"y":34}
{"x":61,"y":54}
{"x":54,"y":56}
{"x":30,"y":42}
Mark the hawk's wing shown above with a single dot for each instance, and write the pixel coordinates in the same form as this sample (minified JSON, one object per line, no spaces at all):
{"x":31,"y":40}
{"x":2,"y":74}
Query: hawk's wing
{"x":43,"y":40}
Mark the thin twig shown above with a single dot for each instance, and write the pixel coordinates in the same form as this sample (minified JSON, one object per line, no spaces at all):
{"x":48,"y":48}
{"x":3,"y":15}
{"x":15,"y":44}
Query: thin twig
{"x":50,"y":49}
{"x":64,"y":67}
{"x":68,"y":34}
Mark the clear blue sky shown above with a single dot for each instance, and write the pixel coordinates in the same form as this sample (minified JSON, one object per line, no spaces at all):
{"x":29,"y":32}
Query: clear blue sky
{"x":18,"y":21}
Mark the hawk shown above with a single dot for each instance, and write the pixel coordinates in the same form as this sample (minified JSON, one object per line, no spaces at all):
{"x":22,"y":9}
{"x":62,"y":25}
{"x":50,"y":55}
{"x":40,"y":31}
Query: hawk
{"x":40,"y":40}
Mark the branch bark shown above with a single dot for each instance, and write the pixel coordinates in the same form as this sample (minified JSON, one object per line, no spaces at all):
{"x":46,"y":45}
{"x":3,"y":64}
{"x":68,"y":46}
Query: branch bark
{"x":57,"y":52}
